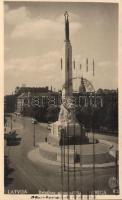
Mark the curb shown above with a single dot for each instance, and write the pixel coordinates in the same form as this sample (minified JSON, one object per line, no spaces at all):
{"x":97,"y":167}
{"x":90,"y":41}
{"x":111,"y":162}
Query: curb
{"x":34,"y":156}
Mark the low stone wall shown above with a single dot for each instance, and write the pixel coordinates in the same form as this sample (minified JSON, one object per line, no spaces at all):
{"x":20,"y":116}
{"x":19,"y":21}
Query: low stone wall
{"x":54,"y":153}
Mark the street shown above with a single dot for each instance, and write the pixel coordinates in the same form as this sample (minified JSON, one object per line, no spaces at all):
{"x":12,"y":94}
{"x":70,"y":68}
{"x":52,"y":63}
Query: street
{"x":31,"y":178}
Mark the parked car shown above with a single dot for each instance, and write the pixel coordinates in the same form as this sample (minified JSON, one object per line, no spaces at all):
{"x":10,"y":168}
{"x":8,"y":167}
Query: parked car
{"x":34,"y":121}
{"x":10,"y":135}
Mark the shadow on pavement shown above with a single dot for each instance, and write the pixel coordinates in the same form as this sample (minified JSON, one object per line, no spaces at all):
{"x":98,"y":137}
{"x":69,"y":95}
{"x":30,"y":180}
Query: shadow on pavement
{"x":7,"y":171}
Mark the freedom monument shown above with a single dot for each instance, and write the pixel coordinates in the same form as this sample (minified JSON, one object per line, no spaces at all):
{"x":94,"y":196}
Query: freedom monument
{"x":67,"y":143}
{"x":67,"y":128}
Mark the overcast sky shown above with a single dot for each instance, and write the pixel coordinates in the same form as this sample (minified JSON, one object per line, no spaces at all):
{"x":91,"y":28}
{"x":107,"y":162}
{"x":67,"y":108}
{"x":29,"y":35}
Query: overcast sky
{"x":34,"y":43}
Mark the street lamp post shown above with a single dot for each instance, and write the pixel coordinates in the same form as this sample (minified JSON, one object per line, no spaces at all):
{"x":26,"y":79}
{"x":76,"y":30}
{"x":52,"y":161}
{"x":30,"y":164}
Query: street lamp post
{"x":11,"y":122}
{"x":34,"y":139}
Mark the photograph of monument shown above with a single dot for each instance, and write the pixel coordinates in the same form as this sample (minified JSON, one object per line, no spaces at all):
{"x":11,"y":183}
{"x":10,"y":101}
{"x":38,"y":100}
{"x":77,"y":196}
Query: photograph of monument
{"x":61,"y":99}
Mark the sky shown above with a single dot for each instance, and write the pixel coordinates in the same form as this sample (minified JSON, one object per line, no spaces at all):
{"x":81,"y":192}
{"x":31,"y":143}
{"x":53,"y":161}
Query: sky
{"x":34,"y":43}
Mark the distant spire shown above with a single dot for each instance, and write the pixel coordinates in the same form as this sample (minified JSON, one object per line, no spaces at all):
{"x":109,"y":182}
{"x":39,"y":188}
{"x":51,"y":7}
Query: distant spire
{"x":61,"y":64}
{"x":87,"y":65}
{"x":82,"y":87}
{"x":66,"y":26}
{"x":74,"y":64}
{"x":80,"y":66}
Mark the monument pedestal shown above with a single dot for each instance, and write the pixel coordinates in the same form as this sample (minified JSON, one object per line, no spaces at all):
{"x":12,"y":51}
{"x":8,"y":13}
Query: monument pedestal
{"x":67,"y":133}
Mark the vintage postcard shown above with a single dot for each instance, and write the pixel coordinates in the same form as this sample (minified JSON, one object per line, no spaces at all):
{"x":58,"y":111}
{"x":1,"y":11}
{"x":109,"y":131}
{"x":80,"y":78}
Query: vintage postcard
{"x":61,"y":118}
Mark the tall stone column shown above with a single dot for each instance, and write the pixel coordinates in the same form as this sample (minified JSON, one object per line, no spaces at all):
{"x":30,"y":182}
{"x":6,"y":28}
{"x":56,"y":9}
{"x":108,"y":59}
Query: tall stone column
{"x":68,"y":69}
{"x":68,"y":61}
